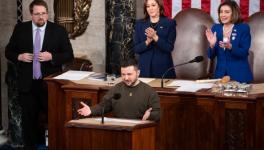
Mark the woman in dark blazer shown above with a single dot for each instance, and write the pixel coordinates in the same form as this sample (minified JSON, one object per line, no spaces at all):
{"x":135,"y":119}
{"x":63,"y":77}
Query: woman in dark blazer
{"x":154,"y":41}
{"x":229,"y":42}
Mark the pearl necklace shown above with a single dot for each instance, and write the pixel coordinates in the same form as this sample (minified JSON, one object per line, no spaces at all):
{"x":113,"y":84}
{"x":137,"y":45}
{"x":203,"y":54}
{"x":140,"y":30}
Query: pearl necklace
{"x":226,"y":33}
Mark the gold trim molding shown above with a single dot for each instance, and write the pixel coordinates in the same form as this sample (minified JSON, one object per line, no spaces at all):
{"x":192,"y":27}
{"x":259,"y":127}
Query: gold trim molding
{"x":73,"y":15}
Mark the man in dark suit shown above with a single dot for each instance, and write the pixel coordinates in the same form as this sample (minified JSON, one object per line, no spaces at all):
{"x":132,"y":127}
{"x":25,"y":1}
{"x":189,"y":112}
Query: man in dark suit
{"x":38,"y":48}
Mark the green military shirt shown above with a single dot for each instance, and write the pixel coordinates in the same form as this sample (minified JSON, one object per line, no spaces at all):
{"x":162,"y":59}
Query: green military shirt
{"x":132,"y":104}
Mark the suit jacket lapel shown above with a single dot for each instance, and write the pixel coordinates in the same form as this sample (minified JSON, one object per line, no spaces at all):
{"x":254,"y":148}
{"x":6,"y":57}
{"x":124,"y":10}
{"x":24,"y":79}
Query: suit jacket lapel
{"x":147,"y":24}
{"x":47,"y":37}
{"x":233,"y":34}
{"x":221,"y":31}
{"x":160,"y":24}
{"x":29,"y":37}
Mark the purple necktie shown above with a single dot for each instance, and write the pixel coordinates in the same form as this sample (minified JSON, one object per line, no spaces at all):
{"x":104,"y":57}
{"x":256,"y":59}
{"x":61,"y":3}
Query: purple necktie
{"x":36,"y":63}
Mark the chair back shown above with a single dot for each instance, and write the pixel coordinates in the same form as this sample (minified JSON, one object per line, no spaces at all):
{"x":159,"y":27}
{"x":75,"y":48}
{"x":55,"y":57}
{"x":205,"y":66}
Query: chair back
{"x":256,"y":52}
{"x":191,"y":42}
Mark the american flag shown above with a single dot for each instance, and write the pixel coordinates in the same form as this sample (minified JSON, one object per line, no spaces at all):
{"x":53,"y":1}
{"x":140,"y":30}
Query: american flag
{"x":247,"y":7}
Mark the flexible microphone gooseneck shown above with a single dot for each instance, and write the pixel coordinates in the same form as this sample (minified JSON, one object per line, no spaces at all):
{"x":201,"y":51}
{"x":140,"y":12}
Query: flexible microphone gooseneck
{"x":196,"y":59}
{"x":116,"y":96}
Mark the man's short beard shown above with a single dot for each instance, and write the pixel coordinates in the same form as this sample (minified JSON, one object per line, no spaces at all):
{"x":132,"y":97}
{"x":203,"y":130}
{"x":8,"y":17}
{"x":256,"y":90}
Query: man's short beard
{"x":133,"y":83}
{"x":40,"y":24}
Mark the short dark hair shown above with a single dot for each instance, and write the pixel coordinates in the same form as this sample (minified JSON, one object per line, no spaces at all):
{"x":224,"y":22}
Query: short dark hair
{"x":236,"y":16}
{"x":161,"y":8}
{"x":129,"y":62}
{"x":37,"y":3}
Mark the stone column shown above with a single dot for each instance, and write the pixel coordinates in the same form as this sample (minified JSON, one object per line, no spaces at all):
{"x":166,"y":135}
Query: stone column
{"x":120,"y":20}
{"x":14,"y":109}
{"x":8,"y":14}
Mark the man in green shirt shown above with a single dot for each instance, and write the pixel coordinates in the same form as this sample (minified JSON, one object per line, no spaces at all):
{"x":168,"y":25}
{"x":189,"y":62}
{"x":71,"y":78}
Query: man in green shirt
{"x":130,"y":99}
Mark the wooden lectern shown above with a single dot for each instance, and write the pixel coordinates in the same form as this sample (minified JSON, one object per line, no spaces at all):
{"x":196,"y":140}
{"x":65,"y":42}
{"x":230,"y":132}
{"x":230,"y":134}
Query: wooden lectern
{"x":201,"y":120}
{"x":113,"y":134}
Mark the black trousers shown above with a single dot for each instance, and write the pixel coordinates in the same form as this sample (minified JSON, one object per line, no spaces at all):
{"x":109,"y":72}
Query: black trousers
{"x":34,"y":105}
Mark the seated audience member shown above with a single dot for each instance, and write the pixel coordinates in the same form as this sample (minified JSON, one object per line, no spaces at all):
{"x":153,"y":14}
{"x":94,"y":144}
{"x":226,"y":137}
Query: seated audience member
{"x":229,"y":42}
{"x":136,"y":99}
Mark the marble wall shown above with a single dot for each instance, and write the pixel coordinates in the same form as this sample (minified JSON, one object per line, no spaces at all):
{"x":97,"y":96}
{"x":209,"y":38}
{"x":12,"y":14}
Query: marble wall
{"x":8,"y":20}
{"x":139,"y":9}
{"x":120,"y":21}
{"x":92,"y":43}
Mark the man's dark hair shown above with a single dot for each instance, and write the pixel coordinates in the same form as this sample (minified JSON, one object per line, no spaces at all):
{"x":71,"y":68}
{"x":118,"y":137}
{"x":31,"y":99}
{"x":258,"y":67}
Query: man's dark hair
{"x":129,"y":62}
{"x":37,"y":3}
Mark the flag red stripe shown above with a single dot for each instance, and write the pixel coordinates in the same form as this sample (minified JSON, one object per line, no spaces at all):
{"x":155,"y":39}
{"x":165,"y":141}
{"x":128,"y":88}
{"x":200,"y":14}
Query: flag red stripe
{"x":262,"y":5}
{"x":186,"y":4}
{"x":206,"y":5}
{"x":244,"y":8}
{"x":167,"y":7}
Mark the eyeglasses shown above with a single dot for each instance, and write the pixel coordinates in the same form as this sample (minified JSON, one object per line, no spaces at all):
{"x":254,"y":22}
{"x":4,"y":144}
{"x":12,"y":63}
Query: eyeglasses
{"x":39,"y":14}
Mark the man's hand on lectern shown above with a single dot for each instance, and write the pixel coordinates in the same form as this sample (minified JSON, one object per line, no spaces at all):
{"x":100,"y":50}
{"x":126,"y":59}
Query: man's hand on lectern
{"x":147,"y":114}
{"x":85,"y":111}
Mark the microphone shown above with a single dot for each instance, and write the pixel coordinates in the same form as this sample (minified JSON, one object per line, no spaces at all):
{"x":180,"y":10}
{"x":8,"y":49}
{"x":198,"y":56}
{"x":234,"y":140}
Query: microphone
{"x":196,"y":59}
{"x":116,"y":96}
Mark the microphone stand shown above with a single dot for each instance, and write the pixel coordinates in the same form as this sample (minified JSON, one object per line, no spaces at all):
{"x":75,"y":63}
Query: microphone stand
{"x":116,"y":96}
{"x":102,"y":115}
{"x":171,"y":69}
{"x":196,"y":59}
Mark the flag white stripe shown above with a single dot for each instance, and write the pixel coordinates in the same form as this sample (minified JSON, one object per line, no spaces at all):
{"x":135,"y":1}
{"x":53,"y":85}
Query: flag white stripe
{"x":254,"y":6}
{"x":176,"y":7}
{"x":214,"y":9}
{"x":196,"y":4}
{"x":238,"y":2}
